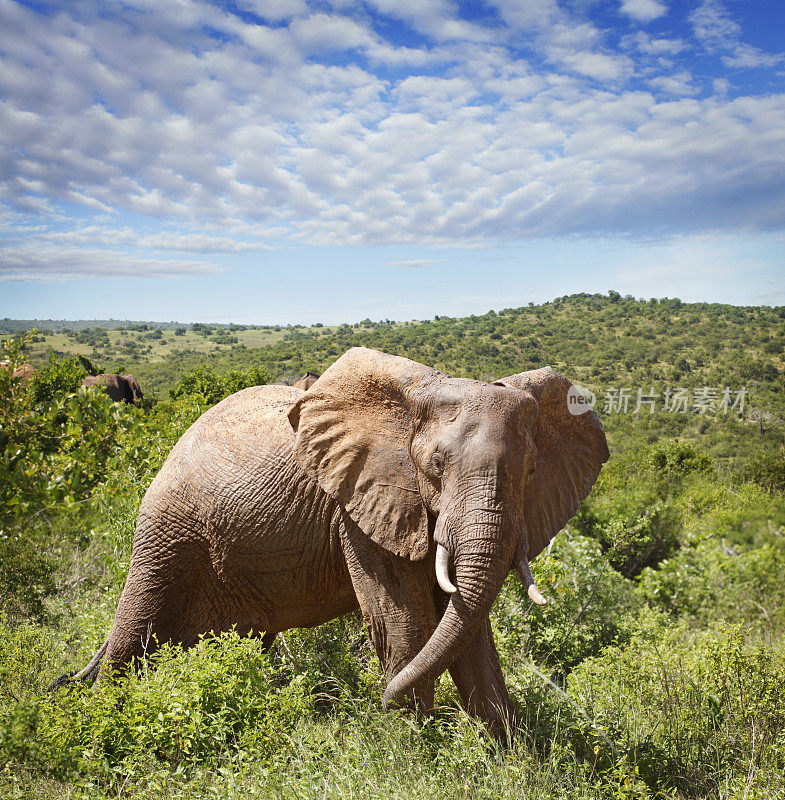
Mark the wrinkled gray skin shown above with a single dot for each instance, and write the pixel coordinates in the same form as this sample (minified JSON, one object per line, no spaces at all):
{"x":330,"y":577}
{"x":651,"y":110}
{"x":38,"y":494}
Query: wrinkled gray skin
{"x":121,"y":388}
{"x":307,"y":380}
{"x":281,"y":509}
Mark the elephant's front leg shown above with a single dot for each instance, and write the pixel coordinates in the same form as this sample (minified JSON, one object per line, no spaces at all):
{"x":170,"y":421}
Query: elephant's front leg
{"x":478,"y":676}
{"x":396,"y":600}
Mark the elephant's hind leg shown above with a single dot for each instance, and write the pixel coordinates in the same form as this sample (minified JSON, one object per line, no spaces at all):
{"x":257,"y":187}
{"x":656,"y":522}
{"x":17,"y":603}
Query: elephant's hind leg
{"x":160,"y":605}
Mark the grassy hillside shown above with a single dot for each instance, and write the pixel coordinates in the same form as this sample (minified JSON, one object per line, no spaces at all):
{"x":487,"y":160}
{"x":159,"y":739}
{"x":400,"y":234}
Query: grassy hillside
{"x":603,"y":342}
{"x":656,"y":671}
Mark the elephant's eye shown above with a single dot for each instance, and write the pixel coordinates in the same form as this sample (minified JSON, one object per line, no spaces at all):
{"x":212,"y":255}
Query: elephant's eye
{"x":437,"y":464}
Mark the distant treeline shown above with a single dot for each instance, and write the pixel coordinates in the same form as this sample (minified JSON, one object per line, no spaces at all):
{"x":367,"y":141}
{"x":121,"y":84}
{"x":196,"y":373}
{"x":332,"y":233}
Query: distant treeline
{"x":58,"y":325}
{"x":594,"y":301}
{"x":616,"y":346}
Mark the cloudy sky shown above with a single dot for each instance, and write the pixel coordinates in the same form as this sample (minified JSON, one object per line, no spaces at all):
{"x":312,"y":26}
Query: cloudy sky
{"x":295,"y":161}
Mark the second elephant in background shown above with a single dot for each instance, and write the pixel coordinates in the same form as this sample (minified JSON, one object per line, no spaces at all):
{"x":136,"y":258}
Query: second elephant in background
{"x":121,"y":388}
{"x":307,"y":380}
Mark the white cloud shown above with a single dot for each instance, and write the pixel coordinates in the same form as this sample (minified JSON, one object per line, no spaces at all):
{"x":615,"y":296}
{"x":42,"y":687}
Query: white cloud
{"x":198,"y":243}
{"x":531,"y":15}
{"x":323,"y":33}
{"x":720,"y":33}
{"x":661,"y":46}
{"x":435,"y":18}
{"x":221,"y":142}
{"x":713,"y":24}
{"x":745,"y":55}
{"x":33,"y":262}
{"x":679,"y":84}
{"x":643,"y":10}
{"x":578,"y":47}
{"x":275,"y":10}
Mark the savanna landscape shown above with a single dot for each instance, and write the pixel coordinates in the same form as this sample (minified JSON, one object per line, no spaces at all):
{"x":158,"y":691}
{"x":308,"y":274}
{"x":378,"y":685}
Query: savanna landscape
{"x":656,"y":670}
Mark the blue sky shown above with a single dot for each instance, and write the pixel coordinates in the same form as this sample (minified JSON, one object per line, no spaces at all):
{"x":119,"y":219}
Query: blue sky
{"x":292,"y":161}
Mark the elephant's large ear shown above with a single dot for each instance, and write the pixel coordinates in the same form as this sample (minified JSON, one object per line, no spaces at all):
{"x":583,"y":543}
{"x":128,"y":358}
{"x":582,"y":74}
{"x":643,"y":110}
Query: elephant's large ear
{"x":353,"y":430}
{"x":571,"y":450}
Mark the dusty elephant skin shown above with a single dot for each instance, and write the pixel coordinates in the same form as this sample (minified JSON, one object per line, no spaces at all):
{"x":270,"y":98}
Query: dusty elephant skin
{"x":121,"y":388}
{"x":386,"y":485}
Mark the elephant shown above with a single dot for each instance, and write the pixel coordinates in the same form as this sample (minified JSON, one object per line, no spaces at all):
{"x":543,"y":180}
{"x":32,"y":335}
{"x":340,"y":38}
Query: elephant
{"x":307,"y":380}
{"x":388,"y":485}
{"x":121,"y":388}
{"x":22,"y":372}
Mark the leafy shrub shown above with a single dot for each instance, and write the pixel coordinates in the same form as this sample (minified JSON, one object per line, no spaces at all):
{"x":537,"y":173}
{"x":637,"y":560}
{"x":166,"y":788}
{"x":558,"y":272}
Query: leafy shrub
{"x":695,"y":712}
{"x":56,"y":452}
{"x":214,"y":386}
{"x":336,"y":659}
{"x":53,"y":452}
{"x":185,"y":708}
{"x":710,"y":582}
{"x":55,"y":437}
{"x":26,"y":575}
{"x":639,"y":536}
{"x":56,"y":378}
{"x":590,"y":606}
{"x":672,"y":461}
{"x":631,"y":510}
{"x":766,"y":470}
{"x":143,"y":448}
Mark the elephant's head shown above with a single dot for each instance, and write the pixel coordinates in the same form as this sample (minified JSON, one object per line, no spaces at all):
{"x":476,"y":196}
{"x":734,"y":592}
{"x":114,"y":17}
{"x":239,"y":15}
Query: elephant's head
{"x":477,"y":476}
{"x":133,"y":393}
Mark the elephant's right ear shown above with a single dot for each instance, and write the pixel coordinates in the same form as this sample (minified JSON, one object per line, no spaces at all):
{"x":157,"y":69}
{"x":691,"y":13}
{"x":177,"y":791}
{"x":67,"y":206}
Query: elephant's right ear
{"x":353,"y":430}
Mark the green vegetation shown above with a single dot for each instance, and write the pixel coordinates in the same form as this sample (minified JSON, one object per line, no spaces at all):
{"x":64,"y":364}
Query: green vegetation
{"x":657,"y":670}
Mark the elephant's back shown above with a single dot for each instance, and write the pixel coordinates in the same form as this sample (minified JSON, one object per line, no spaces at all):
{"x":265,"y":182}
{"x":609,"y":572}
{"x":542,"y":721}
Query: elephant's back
{"x":242,"y":436}
{"x":253,"y":417}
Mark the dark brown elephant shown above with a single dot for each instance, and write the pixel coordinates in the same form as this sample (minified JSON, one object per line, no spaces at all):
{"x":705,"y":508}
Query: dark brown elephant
{"x":307,"y":380}
{"x":387,"y":485}
{"x":121,"y":388}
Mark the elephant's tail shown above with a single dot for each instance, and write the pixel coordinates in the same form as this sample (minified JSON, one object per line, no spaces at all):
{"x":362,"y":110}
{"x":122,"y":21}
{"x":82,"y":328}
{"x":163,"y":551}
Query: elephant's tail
{"x":87,"y":674}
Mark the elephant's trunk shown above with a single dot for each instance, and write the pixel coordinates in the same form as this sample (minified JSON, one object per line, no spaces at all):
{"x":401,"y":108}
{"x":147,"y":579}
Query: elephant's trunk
{"x":481,"y":564}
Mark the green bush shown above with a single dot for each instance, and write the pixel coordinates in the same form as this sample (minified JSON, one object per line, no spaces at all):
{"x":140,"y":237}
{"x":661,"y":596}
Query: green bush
{"x":710,"y":582}
{"x":143,"y":448}
{"x":336,"y":659}
{"x":672,"y":461}
{"x":56,"y":444}
{"x":590,"y":606}
{"x":56,"y":378}
{"x":214,"y":386}
{"x":56,"y":452}
{"x":631,"y":510}
{"x":766,"y":470}
{"x":202,"y":706}
{"x":27,"y":574}
{"x":697,"y":713}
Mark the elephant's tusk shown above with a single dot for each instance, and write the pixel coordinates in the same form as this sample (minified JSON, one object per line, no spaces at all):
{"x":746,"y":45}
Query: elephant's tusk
{"x":525,"y":574}
{"x":443,"y":570}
